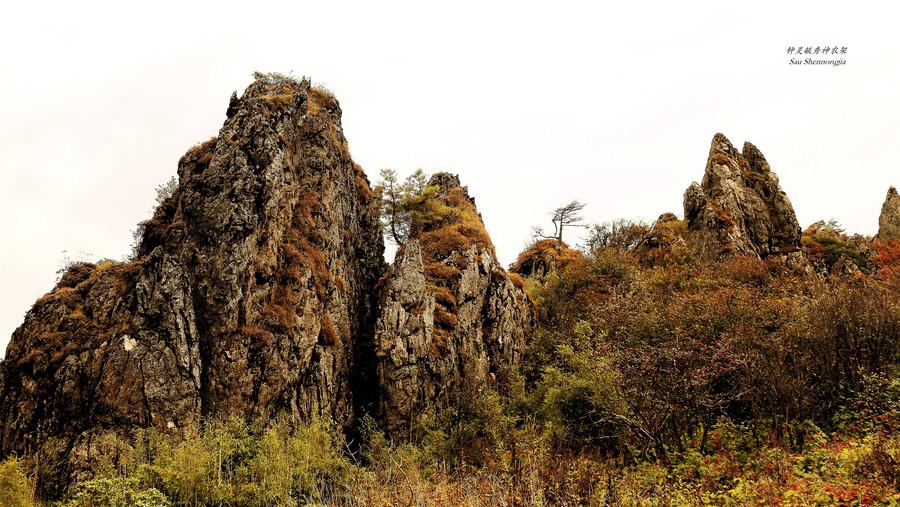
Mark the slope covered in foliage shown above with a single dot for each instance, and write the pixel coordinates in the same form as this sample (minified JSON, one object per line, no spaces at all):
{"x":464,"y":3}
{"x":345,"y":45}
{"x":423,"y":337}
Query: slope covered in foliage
{"x":738,"y":382}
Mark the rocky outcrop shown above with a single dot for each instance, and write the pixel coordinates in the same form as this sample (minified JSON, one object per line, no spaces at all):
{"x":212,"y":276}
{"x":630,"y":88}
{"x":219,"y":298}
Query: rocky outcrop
{"x":666,"y":233}
{"x":259,"y":288}
{"x":251,"y":294}
{"x":889,"y":220}
{"x":827,"y":248}
{"x":543,"y":258}
{"x":844,"y":268}
{"x":452,"y":322}
{"x":662,"y":242}
{"x":739,"y":207}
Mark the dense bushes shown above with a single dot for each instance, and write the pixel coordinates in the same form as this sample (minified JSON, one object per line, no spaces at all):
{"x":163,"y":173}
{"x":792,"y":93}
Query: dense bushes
{"x":887,"y":259}
{"x":227,"y":463}
{"x":522,"y":460}
{"x":115,"y":492}
{"x":16,"y":488}
{"x":687,"y":345}
{"x":826,"y":242}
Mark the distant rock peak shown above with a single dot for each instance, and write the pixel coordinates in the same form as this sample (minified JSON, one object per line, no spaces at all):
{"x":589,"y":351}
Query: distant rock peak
{"x":739,"y":206}
{"x":889,"y":220}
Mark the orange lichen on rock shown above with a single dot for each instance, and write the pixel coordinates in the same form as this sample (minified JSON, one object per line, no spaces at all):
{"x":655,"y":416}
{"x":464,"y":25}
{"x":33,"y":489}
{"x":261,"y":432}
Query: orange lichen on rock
{"x":460,"y":230}
{"x":201,"y":153}
{"x":329,"y":334}
{"x":440,"y":271}
{"x":363,"y":190}
{"x":321,"y":97}
{"x":516,"y":279}
{"x":452,"y":320}
{"x":278,"y":101}
{"x":78,"y":325}
{"x":449,"y":227}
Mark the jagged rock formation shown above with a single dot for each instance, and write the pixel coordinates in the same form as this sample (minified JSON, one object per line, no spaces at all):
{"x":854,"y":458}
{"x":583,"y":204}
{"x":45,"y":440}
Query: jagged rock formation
{"x":451,"y":319}
{"x":255,"y":290}
{"x":251,"y":294}
{"x":739,"y":207}
{"x":543,"y":258}
{"x":889,"y":220}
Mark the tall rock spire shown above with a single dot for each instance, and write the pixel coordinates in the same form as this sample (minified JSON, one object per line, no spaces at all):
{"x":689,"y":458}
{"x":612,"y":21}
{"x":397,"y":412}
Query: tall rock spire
{"x":739,"y":207}
{"x":251,"y":293}
{"x":452,"y":321}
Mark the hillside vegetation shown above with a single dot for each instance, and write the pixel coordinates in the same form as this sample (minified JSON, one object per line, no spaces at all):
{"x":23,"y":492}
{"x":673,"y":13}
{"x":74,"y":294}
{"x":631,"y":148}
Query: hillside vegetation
{"x":645,"y":382}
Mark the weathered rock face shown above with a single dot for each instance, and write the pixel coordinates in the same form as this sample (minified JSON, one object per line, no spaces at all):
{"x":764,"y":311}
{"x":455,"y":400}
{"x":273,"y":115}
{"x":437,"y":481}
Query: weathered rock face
{"x":251,"y":293}
{"x":739,"y":207}
{"x":889,"y":220}
{"x":451,"y":320}
{"x":543,"y":258}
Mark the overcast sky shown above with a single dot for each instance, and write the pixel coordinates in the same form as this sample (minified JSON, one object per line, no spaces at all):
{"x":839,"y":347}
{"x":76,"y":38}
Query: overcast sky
{"x":531,"y":104}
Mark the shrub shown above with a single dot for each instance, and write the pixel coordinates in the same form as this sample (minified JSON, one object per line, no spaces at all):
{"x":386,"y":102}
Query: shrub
{"x":227,"y":463}
{"x":620,"y":234}
{"x":154,"y":231}
{"x":887,"y":259}
{"x":826,"y":242}
{"x":16,"y":488}
{"x":165,"y":191}
{"x":115,"y":492}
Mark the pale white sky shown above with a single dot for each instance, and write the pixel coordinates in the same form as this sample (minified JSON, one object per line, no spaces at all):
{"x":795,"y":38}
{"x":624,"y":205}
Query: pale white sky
{"x":532,"y":104}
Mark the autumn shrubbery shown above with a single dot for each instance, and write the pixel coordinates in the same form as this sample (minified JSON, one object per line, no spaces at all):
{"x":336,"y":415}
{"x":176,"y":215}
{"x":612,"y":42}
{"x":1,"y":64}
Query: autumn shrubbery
{"x":648,"y":363}
{"x":688,"y":345}
{"x":887,"y":260}
{"x":646,"y":380}
{"x":492,"y":449}
{"x":826,"y":242}
{"x":16,"y":486}
{"x":225,"y":463}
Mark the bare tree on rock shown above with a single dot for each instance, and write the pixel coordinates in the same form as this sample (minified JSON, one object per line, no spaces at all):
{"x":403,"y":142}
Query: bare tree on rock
{"x":568,"y":215}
